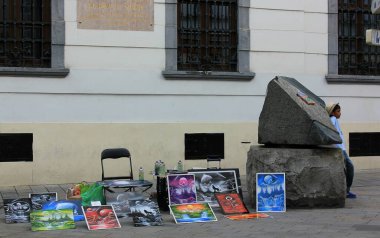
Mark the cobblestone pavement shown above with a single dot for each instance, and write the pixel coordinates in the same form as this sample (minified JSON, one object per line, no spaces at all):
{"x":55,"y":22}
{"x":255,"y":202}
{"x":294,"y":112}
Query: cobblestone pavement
{"x":360,"y":218}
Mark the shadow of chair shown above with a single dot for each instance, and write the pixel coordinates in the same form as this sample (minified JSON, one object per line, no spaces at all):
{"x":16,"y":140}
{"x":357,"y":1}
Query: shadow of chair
{"x":117,"y":153}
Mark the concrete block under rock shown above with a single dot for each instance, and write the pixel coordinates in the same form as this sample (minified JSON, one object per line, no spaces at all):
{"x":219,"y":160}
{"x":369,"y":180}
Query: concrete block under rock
{"x":314,"y":176}
{"x":293,"y":115}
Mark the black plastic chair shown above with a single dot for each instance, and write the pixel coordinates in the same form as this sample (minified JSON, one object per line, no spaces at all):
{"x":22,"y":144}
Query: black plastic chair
{"x":116,"y":153}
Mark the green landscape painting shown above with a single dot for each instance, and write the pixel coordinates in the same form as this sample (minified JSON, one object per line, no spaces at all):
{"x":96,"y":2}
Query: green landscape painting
{"x":52,"y":220}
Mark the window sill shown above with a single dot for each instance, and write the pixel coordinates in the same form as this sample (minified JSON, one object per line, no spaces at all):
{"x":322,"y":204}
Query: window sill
{"x":354,"y":79}
{"x":208,"y":75}
{"x":34,"y":72}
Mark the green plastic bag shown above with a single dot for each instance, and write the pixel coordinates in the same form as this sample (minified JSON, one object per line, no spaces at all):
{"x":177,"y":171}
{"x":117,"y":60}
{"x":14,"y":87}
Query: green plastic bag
{"x":94,"y":193}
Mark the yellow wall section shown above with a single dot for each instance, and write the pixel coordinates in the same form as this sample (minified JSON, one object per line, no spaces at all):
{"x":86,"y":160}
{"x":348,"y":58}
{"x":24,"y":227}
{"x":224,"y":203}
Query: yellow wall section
{"x":70,"y":153}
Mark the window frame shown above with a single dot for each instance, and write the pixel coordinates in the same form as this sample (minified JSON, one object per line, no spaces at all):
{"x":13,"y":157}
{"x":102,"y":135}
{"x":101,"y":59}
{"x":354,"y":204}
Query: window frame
{"x":57,"y":68}
{"x":243,"y":72}
{"x":333,"y":76}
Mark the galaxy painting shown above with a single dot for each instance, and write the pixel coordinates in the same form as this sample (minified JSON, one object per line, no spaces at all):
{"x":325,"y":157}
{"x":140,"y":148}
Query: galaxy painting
{"x":270,"y":192}
{"x":181,"y":189}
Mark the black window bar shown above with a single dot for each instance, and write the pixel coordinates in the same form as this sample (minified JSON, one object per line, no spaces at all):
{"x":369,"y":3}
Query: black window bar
{"x":25,"y":33}
{"x":355,"y":57}
{"x":207,"y":35}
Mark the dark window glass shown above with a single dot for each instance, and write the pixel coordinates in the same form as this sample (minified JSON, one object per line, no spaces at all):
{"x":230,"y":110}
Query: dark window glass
{"x":355,"y":56}
{"x":25,"y":33}
{"x":207,"y":35}
{"x":364,"y":144}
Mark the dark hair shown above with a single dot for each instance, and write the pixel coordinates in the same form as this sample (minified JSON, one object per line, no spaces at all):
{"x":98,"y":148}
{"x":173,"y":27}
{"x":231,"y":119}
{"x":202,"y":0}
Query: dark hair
{"x":336,"y":107}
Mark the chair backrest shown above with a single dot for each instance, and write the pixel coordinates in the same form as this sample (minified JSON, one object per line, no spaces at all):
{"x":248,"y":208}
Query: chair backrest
{"x":116,"y":153}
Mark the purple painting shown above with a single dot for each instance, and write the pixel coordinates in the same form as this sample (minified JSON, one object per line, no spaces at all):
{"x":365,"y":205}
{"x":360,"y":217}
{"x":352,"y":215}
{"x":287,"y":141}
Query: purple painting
{"x":181,"y":189}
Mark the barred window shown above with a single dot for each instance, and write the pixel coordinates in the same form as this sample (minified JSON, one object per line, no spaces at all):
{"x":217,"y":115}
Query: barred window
{"x":207,"y":35}
{"x":25,"y":33}
{"x":355,"y":57}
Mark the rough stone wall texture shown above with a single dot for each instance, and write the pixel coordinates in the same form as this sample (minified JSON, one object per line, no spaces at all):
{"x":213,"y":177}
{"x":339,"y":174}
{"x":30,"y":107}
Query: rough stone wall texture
{"x":314,"y":176}
{"x":286,"y":119}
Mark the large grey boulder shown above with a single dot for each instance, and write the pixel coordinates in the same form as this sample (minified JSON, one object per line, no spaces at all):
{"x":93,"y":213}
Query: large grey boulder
{"x":314,"y":176}
{"x":293,"y":115}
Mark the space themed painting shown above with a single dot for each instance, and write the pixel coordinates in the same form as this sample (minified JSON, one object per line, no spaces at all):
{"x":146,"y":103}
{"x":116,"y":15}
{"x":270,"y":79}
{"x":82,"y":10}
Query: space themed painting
{"x":17,"y":210}
{"x":209,"y":182}
{"x":270,"y":192}
{"x":181,"y":189}
{"x":100,"y":217}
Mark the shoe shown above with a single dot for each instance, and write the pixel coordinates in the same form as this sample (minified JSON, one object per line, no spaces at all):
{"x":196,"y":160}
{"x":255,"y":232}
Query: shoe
{"x":351,"y":195}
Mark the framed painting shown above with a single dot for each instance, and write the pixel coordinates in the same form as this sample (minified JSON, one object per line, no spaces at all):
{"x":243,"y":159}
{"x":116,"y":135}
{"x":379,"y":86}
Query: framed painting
{"x":17,"y":210}
{"x":38,"y":199}
{"x":210,"y":182}
{"x":194,"y":212}
{"x":52,"y":220}
{"x":270,"y":192}
{"x":100,"y":217}
{"x":181,"y":189}
{"x":231,"y":203}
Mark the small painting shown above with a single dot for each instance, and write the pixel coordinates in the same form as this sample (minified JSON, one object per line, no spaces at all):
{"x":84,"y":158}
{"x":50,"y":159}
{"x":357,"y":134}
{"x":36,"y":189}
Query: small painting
{"x":17,"y":210}
{"x":74,"y":205}
{"x":52,"y":220}
{"x":181,"y":189}
{"x":100,"y":217}
{"x":38,"y":199}
{"x":238,"y":217}
{"x":194,"y":212}
{"x":145,"y":213}
{"x":210,"y":182}
{"x":270,"y":192}
{"x":120,"y":201}
{"x":231,"y":203}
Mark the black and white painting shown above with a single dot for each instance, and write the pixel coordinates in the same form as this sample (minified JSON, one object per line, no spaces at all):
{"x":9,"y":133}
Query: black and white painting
{"x":39,"y":199}
{"x":145,"y":213}
{"x":17,"y":210}
{"x":209,"y":182}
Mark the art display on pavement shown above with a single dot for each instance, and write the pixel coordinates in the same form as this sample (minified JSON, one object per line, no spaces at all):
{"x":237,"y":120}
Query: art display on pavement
{"x":74,"y":205}
{"x":17,"y":210}
{"x":194,"y":212}
{"x":52,"y":220}
{"x":145,"y":213}
{"x":210,"y":182}
{"x":270,"y":192}
{"x":38,"y":199}
{"x":231,"y":203}
{"x":100,"y":217}
{"x":181,"y":188}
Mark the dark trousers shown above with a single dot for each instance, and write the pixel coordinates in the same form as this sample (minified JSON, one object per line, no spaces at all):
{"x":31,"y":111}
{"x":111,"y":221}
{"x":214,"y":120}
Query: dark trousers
{"x":349,"y":170}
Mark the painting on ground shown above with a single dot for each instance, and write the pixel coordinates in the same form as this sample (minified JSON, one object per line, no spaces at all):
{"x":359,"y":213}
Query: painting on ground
{"x":181,"y":189}
{"x":145,"y":213}
{"x":231,"y":203}
{"x":100,"y":217}
{"x":210,"y":182}
{"x":120,"y":201}
{"x":39,"y":199}
{"x":194,"y":212}
{"x":74,"y":205}
{"x":270,"y":192}
{"x":17,"y":210}
{"x":52,"y":220}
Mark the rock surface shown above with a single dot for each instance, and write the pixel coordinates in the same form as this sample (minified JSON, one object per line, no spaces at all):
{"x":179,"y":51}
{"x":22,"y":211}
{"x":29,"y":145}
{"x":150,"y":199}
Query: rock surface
{"x":293,"y":115}
{"x":314,"y":176}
